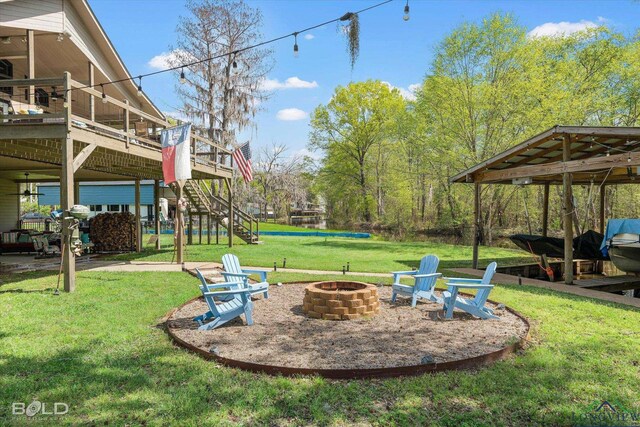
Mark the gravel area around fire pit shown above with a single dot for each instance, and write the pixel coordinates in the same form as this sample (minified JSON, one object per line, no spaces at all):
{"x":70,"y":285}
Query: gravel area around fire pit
{"x":398,"y":336}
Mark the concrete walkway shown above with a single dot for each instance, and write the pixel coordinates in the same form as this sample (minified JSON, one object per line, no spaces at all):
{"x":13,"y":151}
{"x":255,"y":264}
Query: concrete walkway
{"x":505,"y":279}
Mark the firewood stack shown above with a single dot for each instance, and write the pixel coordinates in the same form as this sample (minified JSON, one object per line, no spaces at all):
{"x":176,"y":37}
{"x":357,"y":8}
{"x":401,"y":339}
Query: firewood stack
{"x":113,"y":232}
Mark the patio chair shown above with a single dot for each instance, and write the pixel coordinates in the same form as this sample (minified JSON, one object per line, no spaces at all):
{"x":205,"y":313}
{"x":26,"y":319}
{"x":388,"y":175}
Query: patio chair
{"x":425,"y":282}
{"x":222,"y":312}
{"x":41,"y":245}
{"x":233,"y":272}
{"x":475,"y":306}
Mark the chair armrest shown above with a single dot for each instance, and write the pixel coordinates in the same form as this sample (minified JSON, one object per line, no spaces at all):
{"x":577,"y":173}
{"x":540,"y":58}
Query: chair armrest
{"x":231,"y":292}
{"x":469,"y":285}
{"x":405,"y":273}
{"x":262,"y":273}
{"x":419,"y":276}
{"x":222,"y":285}
{"x":462,"y":280}
{"x":224,"y":273}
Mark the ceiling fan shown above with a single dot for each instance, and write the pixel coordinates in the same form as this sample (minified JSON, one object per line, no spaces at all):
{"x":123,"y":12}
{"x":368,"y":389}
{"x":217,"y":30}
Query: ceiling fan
{"x":26,"y":192}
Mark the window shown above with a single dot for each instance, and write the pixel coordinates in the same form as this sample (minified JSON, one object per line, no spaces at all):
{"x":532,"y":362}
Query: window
{"x":113,"y":208}
{"x":124,"y":208}
{"x":95,"y":208}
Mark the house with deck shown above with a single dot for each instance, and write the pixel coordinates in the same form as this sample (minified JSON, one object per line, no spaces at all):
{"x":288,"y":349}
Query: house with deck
{"x":71,"y":112}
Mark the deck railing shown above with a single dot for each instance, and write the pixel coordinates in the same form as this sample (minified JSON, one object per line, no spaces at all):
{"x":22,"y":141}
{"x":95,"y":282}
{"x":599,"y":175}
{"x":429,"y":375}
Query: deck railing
{"x":30,"y":102}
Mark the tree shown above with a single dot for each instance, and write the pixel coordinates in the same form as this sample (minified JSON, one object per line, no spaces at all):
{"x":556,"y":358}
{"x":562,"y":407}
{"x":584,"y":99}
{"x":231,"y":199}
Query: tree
{"x":358,"y":117}
{"x":221,"y":95}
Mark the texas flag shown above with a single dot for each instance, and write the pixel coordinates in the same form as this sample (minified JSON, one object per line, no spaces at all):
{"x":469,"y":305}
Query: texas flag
{"x":176,"y":156}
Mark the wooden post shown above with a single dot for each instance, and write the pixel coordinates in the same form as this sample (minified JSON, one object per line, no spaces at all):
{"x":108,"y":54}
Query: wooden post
{"x":156,"y":209}
{"x":545,"y":211}
{"x":179,"y":238}
{"x":125,"y":124}
{"x":76,"y":193}
{"x":31,"y":69}
{"x":258,"y":230}
{"x":138,"y":219}
{"x":476,"y":223}
{"x":217,"y":232}
{"x":568,"y":214}
{"x":199,"y":228}
{"x":603,"y":207}
{"x":190,"y":230}
{"x":66,"y":193}
{"x":208,"y":228}
{"x":92,"y":100}
{"x":231,"y":224}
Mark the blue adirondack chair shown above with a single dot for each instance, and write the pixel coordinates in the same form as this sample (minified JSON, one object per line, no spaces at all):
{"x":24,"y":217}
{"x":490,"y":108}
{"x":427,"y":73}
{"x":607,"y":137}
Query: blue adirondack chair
{"x":425,"y":282}
{"x":234,"y":273}
{"x":476,"y":305}
{"x":239,"y":303}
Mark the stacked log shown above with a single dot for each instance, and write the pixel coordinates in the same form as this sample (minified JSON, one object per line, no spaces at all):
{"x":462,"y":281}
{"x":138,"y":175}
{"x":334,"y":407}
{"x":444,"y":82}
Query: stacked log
{"x":113,"y":232}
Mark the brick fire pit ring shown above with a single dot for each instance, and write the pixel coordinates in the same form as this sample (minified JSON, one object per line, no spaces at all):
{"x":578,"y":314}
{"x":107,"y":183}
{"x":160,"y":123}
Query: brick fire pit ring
{"x":340,"y":300}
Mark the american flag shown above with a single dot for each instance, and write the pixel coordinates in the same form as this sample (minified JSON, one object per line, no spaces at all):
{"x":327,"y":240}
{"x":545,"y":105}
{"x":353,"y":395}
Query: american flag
{"x":242,"y":158}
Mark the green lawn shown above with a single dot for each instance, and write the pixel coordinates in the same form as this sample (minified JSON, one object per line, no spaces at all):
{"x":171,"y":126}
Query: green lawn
{"x":331,"y":253}
{"x":102,"y":351}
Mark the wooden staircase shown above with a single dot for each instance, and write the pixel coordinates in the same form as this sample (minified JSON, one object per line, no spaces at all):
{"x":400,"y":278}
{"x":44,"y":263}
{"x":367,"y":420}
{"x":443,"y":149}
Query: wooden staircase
{"x":202,"y":201}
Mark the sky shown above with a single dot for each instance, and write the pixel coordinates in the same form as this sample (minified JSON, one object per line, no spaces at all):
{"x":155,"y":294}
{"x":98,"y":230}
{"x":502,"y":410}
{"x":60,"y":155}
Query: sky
{"x":392,"y":50}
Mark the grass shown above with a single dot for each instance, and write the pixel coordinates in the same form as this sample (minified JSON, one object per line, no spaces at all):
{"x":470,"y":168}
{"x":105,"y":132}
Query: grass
{"x":102,"y":351}
{"x":331,"y":253}
{"x":272,"y":226}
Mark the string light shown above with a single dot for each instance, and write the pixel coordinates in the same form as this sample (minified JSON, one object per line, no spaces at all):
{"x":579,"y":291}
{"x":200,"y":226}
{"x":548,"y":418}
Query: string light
{"x":608,"y":153}
{"x":629,"y":158}
{"x":54,"y":94}
{"x":104,"y":96}
{"x":295,"y":45}
{"x":139,"y":85}
{"x":260,"y":44}
{"x":183,"y":80}
{"x":406,"y":11}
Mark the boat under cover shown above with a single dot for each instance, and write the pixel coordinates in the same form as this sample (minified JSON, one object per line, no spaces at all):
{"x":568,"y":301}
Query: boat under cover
{"x":585,"y":246}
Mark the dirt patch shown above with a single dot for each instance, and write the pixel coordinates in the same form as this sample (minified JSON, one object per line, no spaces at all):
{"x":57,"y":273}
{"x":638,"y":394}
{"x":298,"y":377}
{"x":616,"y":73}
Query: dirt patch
{"x":398,"y":336}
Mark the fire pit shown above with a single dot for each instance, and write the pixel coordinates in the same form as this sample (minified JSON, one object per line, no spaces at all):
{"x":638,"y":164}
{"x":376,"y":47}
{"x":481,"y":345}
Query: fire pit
{"x":340,"y":300}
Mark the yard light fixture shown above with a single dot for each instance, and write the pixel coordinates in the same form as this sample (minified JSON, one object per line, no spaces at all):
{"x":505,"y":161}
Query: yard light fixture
{"x":183,"y":80}
{"x":54,"y":94}
{"x":104,"y":96}
{"x":139,"y":85}
{"x":60,"y":37}
{"x":295,"y":45}
{"x":406,"y":11}
{"x":608,"y":153}
{"x":629,"y":158}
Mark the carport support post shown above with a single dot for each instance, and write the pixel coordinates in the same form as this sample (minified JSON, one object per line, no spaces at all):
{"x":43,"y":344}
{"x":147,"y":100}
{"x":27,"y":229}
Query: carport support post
{"x":568,"y":214}
{"x":66,"y":193}
{"x":178,"y":228}
{"x":545,"y":211}
{"x":230,"y":225}
{"x":476,"y":223}
{"x":156,"y":210}
{"x":138,"y":219}
{"x":208,"y":228}
{"x":603,"y":207}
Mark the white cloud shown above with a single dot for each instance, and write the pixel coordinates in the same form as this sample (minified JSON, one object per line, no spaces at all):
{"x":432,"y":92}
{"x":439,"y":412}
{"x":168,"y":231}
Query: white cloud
{"x":562,"y":29}
{"x":303,"y":152}
{"x":290,"y":83}
{"x":408,"y":94}
{"x":166,"y":59}
{"x":291,"y":114}
{"x":309,"y":36}
{"x":178,"y":115}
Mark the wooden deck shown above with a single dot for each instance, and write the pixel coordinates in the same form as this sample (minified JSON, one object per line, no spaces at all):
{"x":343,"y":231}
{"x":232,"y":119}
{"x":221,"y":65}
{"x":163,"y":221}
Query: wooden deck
{"x":610,"y":284}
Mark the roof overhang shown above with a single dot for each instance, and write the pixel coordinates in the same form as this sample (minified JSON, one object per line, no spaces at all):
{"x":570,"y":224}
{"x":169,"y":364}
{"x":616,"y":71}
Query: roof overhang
{"x":597,"y":154}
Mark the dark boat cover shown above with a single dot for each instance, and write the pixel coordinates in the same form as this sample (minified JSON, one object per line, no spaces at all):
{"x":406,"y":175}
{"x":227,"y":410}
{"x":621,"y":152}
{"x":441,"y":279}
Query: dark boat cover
{"x":551,"y":246}
{"x":585,"y":246}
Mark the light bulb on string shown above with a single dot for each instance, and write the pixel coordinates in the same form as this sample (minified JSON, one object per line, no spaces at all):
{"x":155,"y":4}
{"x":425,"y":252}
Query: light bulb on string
{"x":608,"y":153}
{"x":104,"y":96}
{"x":406,"y":11}
{"x":139,"y":85}
{"x":295,"y":45}
{"x":183,"y":80}
{"x":54,"y":94}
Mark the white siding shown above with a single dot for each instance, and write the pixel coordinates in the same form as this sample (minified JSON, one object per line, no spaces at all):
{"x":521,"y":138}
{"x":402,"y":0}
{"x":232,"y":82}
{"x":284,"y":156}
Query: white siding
{"x":40,"y":15}
{"x":8,"y":205}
